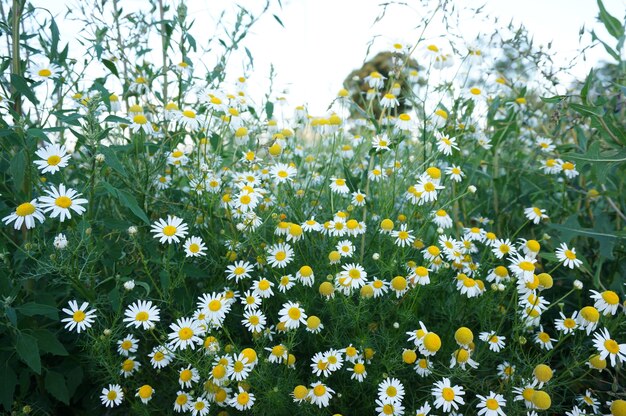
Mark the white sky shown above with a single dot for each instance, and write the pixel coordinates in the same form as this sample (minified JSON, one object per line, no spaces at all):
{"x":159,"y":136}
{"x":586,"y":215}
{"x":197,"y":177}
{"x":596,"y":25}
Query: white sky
{"x":324,"y":40}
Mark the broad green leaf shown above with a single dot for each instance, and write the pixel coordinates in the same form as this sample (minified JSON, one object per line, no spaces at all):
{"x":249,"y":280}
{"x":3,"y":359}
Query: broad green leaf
{"x":111,"y":67}
{"x":613,"y":25}
{"x":7,"y":386}
{"x":17,"y":169}
{"x":145,"y":285}
{"x":269,"y":109}
{"x":586,"y":110}
{"x":32,"y":309}
{"x":55,"y":385}
{"x":110,"y":158}
{"x":571,"y":228}
{"x":585,"y":89}
{"x":130,"y":202}
{"x":49,"y":343}
{"x":28,"y":350}
{"x":116,"y":119}
{"x":21,"y":86}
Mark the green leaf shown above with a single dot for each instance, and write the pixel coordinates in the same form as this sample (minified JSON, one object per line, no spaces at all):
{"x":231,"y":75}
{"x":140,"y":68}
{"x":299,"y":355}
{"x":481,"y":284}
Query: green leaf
{"x":269,"y":109}
{"x":7,"y":387}
{"x":112,"y":160}
{"x":127,"y":200}
{"x":585,"y":90}
{"x":32,"y":309}
{"x":21,"y":86}
{"x":54,"y":37}
{"x":111,"y":67}
{"x":613,"y":26}
{"x":280,"y":22}
{"x":586,"y":110}
{"x":28,"y":350}
{"x":116,"y":119}
{"x":609,"y":50}
{"x":145,"y":285}
{"x":130,"y":202}
{"x":49,"y":343}
{"x":17,"y":169}
{"x":571,"y":228}
{"x":164,"y":277}
{"x":55,"y":384}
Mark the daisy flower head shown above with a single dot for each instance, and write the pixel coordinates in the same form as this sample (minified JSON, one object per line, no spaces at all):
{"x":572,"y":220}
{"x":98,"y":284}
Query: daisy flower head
{"x":292,"y":315}
{"x":141,"y":123}
{"x":25,"y":213}
{"x":455,"y":173}
{"x":442,"y":219}
{"x":569,"y":169}
{"x":278,"y":354}
{"x":172,"y":229}
{"x":53,"y":158}
{"x":375,"y":80}
{"x":389,"y":407}
{"x":185,"y":333}
{"x":160,"y":357}
{"x":608,"y":347}
{"x":187,"y":376}
{"x":44,"y":71}
{"x":182,"y":402}
{"x":60,"y":200}
{"x":427,"y":188}
{"x":496,"y":342}
{"x":142,"y":314}
{"x":242,"y":400}
{"x":389,"y":100}
{"x":320,"y":394}
{"x":491,"y":405}
{"x":188,"y":119}
{"x":391,"y":390}
{"x":445,"y":144}
{"x":447,"y":396}
{"x":568,"y":256}
{"x":403,"y":236}
{"x":523,"y":267}
{"x":215,"y":306}
{"x":129,"y":366}
{"x":505,"y":370}
{"x":339,"y":186}
{"x":282,"y":172}
{"x":239,"y":270}
{"x":254,"y":320}
{"x":112,"y":396}
{"x":358,"y":370}
{"x":535,"y":214}
{"x":194,"y":247}
{"x":606,"y":302}
{"x":565,"y":324}
{"x":80,"y":318}
{"x":279,"y":255}
{"x":543,"y":339}
{"x":128,"y":344}
{"x":353,"y":275}
{"x":588,"y":319}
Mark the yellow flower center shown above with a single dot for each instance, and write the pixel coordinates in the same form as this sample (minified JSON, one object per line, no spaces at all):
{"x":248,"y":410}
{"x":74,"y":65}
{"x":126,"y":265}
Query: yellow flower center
{"x":570,"y":254}
{"x":79,"y":316}
{"x":140,"y":119}
{"x":526,"y":266}
{"x":145,"y":391}
{"x":611,"y":346}
{"x":186,"y":375}
{"x":610,"y":297}
{"x":44,"y":73}
{"x":185,"y":333}
{"x":280,"y":256}
{"x":181,"y":399}
{"x":319,"y":390}
{"x":189,"y":114}
{"x":142,"y":316}
{"x":128,"y":365}
{"x":25,"y":209}
{"x":126,"y":345}
{"x":433,"y":48}
{"x":63,"y":202}
{"x":215,"y":305}
{"x":492,"y":404}
{"x":199,"y":405}
{"x":112,"y":395}
{"x":54,"y":160}
{"x":243,"y":398}
{"x":169,"y":230}
{"x":294,"y":313}
{"x":448,"y":394}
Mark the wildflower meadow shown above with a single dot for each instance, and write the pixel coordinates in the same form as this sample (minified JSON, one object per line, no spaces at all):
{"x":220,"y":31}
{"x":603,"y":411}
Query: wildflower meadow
{"x":446,"y":239}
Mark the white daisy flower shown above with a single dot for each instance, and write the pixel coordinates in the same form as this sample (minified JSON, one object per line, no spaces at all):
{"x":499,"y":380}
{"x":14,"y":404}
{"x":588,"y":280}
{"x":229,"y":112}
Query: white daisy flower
{"x":112,"y":396}
{"x":25,"y":213}
{"x":185,"y":333}
{"x":292,"y":315}
{"x":53,"y":158}
{"x":568,"y":256}
{"x":194,"y":247}
{"x":128,"y":344}
{"x":80,"y":318}
{"x":447,"y":396}
{"x":608,"y":347}
{"x":141,"y":314}
{"x":172,"y":229}
{"x":491,"y":405}
{"x":61,"y":200}
{"x":320,"y":394}
{"x":606,"y":302}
